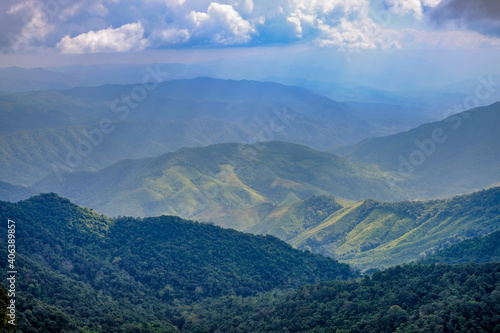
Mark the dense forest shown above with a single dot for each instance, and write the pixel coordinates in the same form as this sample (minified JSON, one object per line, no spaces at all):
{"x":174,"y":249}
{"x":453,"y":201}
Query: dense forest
{"x":410,"y":298}
{"x":78,"y":268}
{"x":478,"y":249}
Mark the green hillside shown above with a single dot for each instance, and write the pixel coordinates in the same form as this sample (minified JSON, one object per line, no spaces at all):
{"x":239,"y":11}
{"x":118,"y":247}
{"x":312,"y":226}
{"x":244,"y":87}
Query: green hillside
{"x":479,"y":250}
{"x":373,"y":234}
{"x":287,"y":222}
{"x":456,"y":155}
{"x":214,"y":182}
{"x":410,"y":298}
{"x":78,"y":268}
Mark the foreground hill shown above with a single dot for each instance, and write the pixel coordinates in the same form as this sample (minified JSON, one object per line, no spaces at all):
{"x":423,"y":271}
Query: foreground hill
{"x":410,"y":298}
{"x":456,"y":155}
{"x":370,"y":233}
{"x":217,"y":181}
{"x":80,"y":268}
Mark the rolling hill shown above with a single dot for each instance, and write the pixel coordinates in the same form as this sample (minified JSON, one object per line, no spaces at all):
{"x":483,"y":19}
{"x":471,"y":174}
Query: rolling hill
{"x":218,"y":182}
{"x":78,"y":268}
{"x":456,"y":155}
{"x":373,"y":234}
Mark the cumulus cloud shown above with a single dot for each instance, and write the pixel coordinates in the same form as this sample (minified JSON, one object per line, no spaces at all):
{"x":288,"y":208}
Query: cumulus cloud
{"x":222,"y":24}
{"x":169,"y":36}
{"x":362,"y":34}
{"x":128,"y":37}
{"x":80,"y":26}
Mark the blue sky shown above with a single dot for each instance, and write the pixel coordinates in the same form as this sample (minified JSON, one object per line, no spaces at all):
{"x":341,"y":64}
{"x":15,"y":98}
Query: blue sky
{"x":439,"y":32}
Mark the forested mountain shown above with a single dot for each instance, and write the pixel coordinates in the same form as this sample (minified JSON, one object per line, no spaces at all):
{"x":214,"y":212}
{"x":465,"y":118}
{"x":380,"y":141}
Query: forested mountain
{"x":370,"y":233}
{"x":262,"y":195}
{"x":212,"y":182}
{"x":458,"y":154}
{"x":410,"y":298}
{"x":84,"y":272}
{"x":78,"y":268}
{"x":478,"y":249}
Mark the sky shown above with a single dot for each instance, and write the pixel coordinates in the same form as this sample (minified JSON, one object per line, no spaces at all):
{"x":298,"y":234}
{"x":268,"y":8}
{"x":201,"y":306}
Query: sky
{"x":462,"y":36}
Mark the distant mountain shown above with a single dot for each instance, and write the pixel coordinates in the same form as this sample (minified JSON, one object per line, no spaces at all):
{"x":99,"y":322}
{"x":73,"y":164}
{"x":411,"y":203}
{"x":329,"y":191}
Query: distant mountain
{"x":478,"y":249}
{"x":217,"y":182}
{"x":372,"y":234}
{"x":88,"y":128}
{"x":80,"y":268}
{"x":14,"y":193}
{"x":456,"y":155}
{"x":16,"y":79}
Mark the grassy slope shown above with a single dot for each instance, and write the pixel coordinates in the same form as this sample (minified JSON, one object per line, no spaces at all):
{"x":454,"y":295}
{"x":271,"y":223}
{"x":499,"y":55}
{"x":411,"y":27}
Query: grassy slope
{"x":376,"y":234}
{"x":214,"y":182}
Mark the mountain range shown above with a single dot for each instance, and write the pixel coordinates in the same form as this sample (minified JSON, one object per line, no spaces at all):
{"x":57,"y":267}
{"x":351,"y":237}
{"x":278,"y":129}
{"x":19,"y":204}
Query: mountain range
{"x":307,"y":204}
{"x":88,"y":128}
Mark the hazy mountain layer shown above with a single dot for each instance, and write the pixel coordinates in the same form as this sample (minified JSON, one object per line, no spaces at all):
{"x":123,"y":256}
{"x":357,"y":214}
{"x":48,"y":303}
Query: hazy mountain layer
{"x":455,"y":155}
{"x":88,"y":128}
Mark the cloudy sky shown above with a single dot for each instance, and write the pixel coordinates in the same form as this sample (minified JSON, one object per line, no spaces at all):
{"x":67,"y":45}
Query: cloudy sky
{"x":32,"y":31}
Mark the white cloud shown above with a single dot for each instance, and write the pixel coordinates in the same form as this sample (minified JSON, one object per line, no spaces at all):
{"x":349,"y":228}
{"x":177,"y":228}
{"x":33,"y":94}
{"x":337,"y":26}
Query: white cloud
{"x":431,"y":3}
{"x":36,"y":23}
{"x":128,"y":37}
{"x":168,"y":36}
{"x":163,"y":23}
{"x":360,"y":34}
{"x":243,"y":6}
{"x":298,"y":18}
{"x":402,"y":7}
{"x":222,"y":24}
